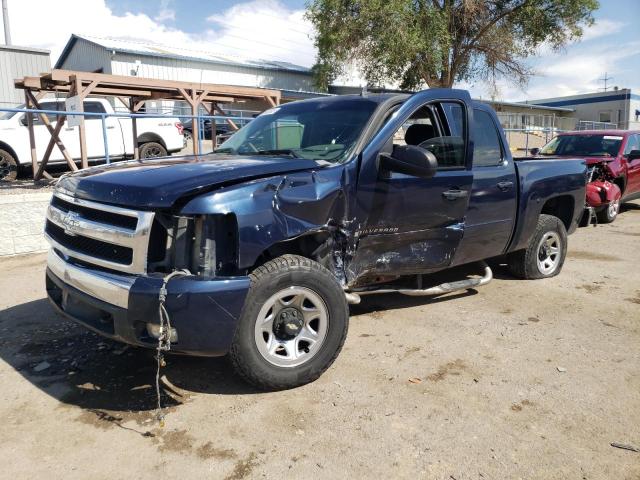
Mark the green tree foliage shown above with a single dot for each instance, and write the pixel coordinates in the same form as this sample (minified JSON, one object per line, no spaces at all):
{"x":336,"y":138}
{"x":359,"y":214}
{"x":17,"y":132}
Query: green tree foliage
{"x":437,"y":42}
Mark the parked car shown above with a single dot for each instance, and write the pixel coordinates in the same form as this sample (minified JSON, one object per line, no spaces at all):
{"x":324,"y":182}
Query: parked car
{"x":256,"y":250}
{"x":613,"y":157}
{"x":156,"y":136}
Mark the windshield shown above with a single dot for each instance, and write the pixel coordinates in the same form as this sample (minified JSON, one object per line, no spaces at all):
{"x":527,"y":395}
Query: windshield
{"x":597,"y":145}
{"x":316,"y":130}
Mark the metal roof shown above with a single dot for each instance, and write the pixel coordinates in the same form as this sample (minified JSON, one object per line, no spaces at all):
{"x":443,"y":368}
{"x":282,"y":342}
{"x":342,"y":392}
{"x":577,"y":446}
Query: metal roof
{"x":528,"y":105}
{"x":139,"y":47}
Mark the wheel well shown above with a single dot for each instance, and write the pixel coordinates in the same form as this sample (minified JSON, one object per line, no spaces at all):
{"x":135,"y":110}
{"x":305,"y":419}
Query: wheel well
{"x":620,"y":182}
{"x":561,"y":207}
{"x":308,"y":246}
{"x":151,"y":137}
{"x":7,"y":148}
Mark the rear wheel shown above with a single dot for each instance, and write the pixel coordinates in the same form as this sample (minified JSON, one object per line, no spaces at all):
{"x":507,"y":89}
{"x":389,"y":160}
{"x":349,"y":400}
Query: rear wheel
{"x":8,"y":166}
{"x":610,"y":213}
{"x":546,"y":252}
{"x":293,"y":324}
{"x":152,"y":150}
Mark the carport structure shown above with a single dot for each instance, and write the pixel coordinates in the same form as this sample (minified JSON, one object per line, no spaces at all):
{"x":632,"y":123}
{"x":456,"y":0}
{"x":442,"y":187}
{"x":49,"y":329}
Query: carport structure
{"x":133,"y":92}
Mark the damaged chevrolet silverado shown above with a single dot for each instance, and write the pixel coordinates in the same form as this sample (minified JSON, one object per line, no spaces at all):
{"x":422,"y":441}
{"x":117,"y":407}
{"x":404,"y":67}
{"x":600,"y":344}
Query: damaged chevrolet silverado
{"x":256,"y":250}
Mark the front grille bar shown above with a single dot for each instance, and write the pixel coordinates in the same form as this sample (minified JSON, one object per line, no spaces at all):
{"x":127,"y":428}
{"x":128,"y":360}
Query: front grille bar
{"x":74,"y":223}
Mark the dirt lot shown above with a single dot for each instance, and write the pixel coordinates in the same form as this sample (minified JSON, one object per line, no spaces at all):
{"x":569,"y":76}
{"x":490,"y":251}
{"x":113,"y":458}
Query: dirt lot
{"x":515,"y":380}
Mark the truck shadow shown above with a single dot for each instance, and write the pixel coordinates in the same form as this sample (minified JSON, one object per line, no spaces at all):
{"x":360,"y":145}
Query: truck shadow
{"x":80,"y":368}
{"x":83,"y":369}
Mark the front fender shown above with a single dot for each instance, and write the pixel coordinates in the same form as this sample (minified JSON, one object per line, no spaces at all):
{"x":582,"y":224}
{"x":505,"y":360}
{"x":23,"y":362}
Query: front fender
{"x":600,"y":193}
{"x":278,"y":208}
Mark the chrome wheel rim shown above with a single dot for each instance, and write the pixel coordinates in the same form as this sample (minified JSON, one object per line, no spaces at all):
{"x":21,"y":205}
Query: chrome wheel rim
{"x":612,"y":209}
{"x":549,"y":253}
{"x":291,"y":327}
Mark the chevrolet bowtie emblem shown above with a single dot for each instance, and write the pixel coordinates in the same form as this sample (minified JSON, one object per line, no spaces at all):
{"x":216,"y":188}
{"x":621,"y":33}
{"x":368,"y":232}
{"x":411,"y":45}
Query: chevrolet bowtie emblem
{"x":70,"y":222}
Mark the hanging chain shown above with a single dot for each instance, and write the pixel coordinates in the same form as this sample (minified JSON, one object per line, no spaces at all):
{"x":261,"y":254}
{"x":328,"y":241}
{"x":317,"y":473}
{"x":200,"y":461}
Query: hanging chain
{"x":164,"y":338}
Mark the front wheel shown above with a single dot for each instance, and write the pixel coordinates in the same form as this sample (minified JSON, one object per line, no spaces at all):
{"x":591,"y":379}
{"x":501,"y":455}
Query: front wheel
{"x":545,"y":254}
{"x":293,"y":324}
{"x":610,"y":213}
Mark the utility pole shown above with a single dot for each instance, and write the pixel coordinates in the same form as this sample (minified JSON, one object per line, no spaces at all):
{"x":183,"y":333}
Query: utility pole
{"x":5,"y":19}
{"x":605,"y":79}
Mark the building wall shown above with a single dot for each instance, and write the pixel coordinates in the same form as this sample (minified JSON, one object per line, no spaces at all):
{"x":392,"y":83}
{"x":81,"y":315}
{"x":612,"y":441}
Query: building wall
{"x":87,"y":57}
{"x":616,"y":106}
{"x":17,"y":62}
{"x":205,"y":72}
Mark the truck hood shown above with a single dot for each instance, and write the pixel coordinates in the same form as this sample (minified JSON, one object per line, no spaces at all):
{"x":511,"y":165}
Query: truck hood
{"x":159,"y":183}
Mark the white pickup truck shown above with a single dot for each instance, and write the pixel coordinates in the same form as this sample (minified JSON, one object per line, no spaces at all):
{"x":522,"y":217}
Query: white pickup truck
{"x":157,"y":137}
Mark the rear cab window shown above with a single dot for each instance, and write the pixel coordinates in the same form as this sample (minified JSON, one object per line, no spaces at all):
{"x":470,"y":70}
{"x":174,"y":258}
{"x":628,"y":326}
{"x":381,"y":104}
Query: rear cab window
{"x":487,"y":151}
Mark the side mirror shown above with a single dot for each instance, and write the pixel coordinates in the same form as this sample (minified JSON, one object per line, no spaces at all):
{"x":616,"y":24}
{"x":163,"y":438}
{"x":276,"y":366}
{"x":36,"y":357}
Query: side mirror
{"x":410,"y":160}
{"x":633,"y":155}
{"x":534,"y":151}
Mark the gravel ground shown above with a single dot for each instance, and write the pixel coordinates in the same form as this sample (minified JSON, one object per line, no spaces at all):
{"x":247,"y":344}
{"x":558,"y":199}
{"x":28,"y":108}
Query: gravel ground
{"x":515,"y":380}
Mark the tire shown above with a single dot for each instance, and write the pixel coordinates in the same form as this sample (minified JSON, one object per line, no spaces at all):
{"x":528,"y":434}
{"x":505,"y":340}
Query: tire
{"x":528,"y":263}
{"x":152,"y":150}
{"x":8,"y":166}
{"x":610,"y":213}
{"x":271,"y":354}
{"x":188,"y":136}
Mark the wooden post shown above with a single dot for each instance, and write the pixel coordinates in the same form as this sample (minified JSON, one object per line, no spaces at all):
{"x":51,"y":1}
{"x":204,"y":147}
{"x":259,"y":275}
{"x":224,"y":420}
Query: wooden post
{"x":134,"y":129}
{"x":32,"y":135}
{"x":77,"y":89}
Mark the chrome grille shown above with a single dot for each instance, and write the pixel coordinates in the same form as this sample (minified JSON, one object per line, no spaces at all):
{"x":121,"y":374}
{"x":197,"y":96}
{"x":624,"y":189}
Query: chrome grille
{"x":110,"y":237}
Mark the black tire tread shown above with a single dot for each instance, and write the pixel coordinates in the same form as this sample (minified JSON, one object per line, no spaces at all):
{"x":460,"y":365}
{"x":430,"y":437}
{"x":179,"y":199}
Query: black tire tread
{"x":262,"y":273}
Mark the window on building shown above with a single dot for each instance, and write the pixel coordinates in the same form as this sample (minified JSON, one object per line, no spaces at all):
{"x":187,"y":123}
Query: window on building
{"x":605,"y":116}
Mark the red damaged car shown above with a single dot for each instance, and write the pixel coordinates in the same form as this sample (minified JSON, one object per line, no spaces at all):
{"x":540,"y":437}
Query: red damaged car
{"x":613,"y":158}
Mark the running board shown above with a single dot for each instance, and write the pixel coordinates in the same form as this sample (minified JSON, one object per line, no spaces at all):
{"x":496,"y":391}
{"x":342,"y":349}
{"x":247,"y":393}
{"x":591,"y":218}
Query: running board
{"x":448,"y":287}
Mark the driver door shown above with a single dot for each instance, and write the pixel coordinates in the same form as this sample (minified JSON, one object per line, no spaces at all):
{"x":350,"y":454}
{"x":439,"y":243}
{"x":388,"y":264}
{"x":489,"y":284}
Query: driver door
{"x":406,"y":224}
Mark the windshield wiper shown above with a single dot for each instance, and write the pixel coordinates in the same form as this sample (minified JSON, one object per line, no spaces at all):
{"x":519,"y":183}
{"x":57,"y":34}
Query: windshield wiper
{"x":224,"y":150}
{"x":282,"y":151}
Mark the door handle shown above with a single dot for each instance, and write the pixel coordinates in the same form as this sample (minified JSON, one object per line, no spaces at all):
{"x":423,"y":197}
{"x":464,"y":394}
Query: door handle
{"x":454,"y":194}
{"x":70,"y":129}
{"x":110,"y":127}
{"x":504,"y":186}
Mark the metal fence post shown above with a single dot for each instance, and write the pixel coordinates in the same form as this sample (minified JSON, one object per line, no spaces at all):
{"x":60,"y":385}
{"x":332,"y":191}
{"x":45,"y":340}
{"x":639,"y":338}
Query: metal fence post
{"x":105,"y":139}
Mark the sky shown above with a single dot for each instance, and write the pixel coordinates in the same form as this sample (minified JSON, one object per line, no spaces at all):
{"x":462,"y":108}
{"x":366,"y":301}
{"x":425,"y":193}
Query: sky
{"x":277,"y":30}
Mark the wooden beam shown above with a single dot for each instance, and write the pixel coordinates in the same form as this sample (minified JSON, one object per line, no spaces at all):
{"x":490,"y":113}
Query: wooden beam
{"x":82,"y":133}
{"x":133,"y":107}
{"x":270,"y":101}
{"x":231,"y":123}
{"x":54,"y":140}
{"x":87,"y":90}
{"x":105,"y":80}
{"x":53,"y":132}
{"x":32,"y":136}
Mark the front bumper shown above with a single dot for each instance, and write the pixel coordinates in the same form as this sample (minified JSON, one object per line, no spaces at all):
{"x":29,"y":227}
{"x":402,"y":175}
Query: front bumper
{"x":204,"y":312}
{"x":602,"y":193}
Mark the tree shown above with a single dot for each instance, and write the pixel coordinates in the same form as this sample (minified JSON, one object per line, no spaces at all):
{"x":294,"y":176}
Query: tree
{"x":437,"y":42}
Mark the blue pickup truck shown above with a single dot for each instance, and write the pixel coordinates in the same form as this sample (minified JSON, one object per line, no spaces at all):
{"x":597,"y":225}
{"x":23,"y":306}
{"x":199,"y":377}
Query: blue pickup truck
{"x":256,"y":250}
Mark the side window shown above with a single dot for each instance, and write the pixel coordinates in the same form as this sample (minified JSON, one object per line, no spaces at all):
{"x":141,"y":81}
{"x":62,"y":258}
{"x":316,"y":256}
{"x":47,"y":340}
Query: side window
{"x":487,"y":151}
{"x":423,"y":130}
{"x":93,"y":107}
{"x":35,"y":118}
{"x":632,"y":144}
